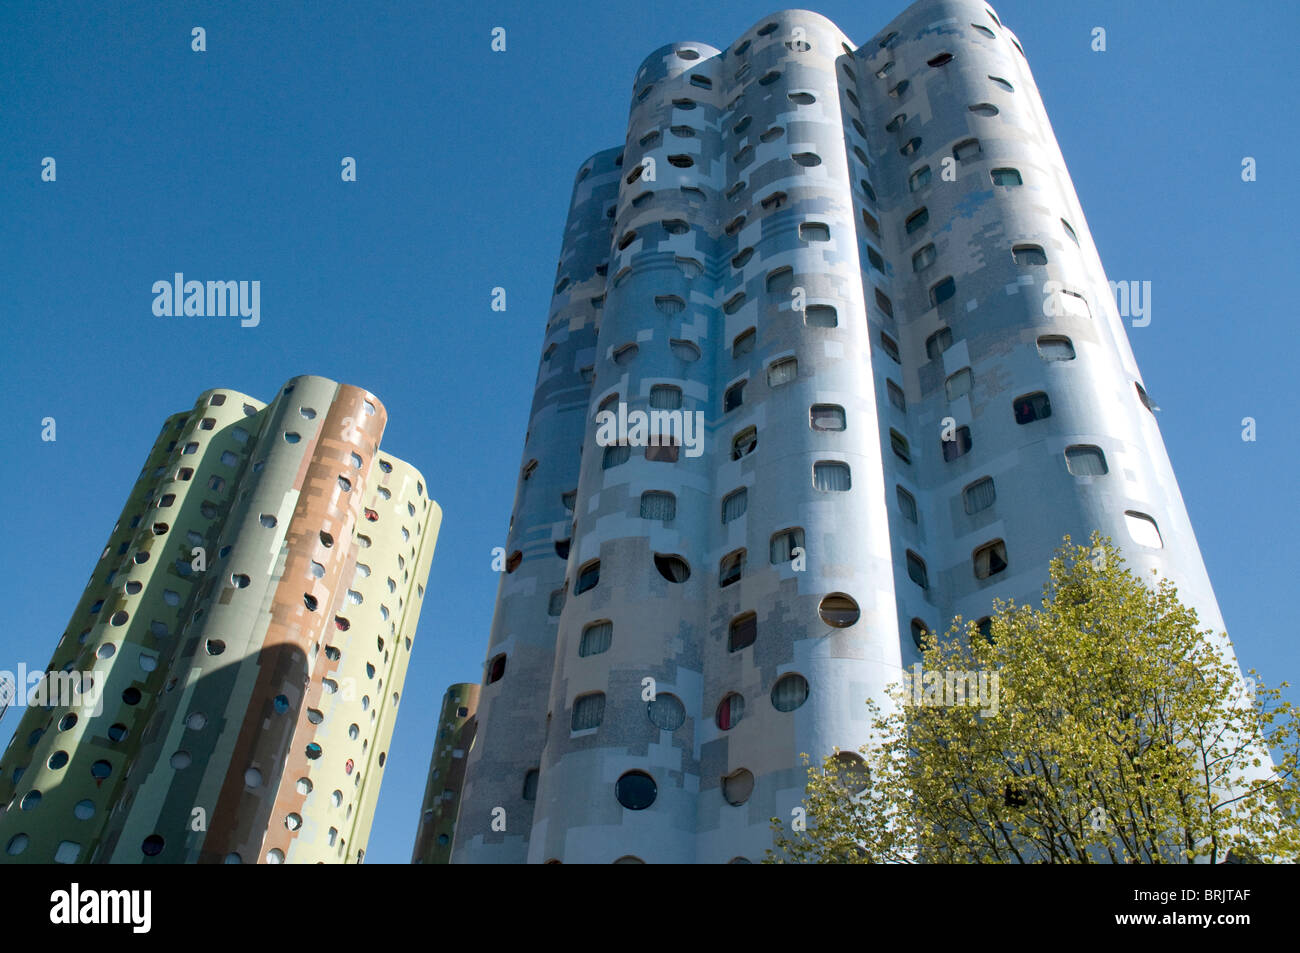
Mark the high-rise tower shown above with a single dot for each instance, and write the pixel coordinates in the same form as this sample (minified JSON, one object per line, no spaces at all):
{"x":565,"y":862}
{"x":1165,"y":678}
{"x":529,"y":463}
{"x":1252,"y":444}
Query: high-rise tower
{"x":456,"y":726}
{"x":242,"y":643}
{"x":867,"y":268}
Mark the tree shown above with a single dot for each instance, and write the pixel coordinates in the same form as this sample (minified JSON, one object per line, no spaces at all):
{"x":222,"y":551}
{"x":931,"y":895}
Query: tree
{"x":1104,"y":726}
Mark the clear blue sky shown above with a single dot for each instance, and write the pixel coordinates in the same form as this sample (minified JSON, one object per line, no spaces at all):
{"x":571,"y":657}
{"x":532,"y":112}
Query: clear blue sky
{"x":225,"y":164}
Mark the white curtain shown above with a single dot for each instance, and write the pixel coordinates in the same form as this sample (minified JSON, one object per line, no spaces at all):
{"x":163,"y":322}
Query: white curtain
{"x":980,"y":496}
{"x":596,"y":638}
{"x":734,"y":505}
{"x":1085,"y":460}
{"x":616,"y":455}
{"x":658,"y":506}
{"x":906,"y":503}
{"x":789,"y":692}
{"x":832,"y":476}
{"x":958,"y":385}
{"x":588,"y":710}
{"x":665,"y":397}
{"x":731,"y":569}
{"x":784,"y":542}
{"x":827,"y":417}
{"x":782,"y":372}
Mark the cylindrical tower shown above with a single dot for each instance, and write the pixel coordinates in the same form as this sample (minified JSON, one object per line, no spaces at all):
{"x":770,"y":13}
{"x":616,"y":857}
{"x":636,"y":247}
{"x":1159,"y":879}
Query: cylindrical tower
{"x":496,"y":811}
{"x":862,"y":274}
{"x":457,"y":723}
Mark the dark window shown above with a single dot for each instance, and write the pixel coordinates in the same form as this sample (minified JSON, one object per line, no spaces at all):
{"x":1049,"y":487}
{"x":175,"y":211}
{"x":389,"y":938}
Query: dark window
{"x":734,"y":396}
{"x":636,"y":790}
{"x":916,"y":570}
{"x":496,"y":668}
{"x":990,"y":559}
{"x":731,"y":568}
{"x":742,"y":632}
{"x":588,"y":576}
{"x":958,"y":445}
{"x":942,"y":291}
{"x":1031,"y":407}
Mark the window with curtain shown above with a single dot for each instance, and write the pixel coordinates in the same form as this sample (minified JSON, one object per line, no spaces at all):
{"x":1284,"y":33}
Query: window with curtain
{"x":784,"y":543}
{"x":657,"y":505}
{"x":780,"y":281}
{"x":958,"y":384}
{"x":1008,"y":177}
{"x":814,"y":231}
{"x":672,"y":568}
{"x":738,"y":786}
{"x":924,"y":258}
{"x":730,"y":710}
{"x":1053,"y":347}
{"x":615,"y":455}
{"x":782,"y":372}
{"x":588,"y":711}
{"x":665,"y":397}
{"x":734,"y":505}
{"x":1031,"y":407}
{"x":664,"y":453}
{"x":832,"y":476}
{"x":979,"y":495}
{"x":731,"y":568}
{"x":596,"y":638}
{"x":820,"y":316}
{"x":684,"y":350}
{"x":906,"y":504}
{"x":826,"y":417}
{"x":937,"y":343}
{"x":919,"y":179}
{"x":666,"y":711}
{"x":990,"y":559}
{"x":742,"y":632}
{"x":670,"y":304}
{"x":1029,"y":255}
{"x":789,"y":692}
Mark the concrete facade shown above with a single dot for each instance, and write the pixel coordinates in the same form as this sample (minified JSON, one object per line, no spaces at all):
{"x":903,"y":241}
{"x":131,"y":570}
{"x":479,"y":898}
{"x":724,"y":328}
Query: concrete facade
{"x":249,"y":625}
{"x":866,"y":267}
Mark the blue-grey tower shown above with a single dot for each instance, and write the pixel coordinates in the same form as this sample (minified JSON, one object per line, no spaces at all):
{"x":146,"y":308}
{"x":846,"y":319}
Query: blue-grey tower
{"x":864,"y":272}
